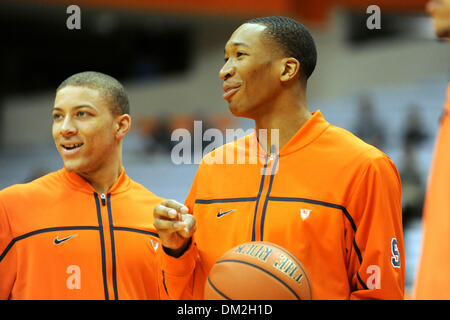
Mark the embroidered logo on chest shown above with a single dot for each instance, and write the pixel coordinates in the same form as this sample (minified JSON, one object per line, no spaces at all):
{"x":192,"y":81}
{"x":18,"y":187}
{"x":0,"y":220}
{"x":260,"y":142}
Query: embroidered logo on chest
{"x":304,"y":213}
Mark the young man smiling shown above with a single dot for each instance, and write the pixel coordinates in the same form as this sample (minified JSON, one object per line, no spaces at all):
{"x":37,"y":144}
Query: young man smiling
{"x":323,"y":194}
{"x":85,"y":231}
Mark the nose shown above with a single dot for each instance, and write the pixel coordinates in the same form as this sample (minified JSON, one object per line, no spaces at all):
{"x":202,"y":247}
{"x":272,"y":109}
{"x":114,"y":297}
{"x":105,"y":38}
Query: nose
{"x":227,"y":71}
{"x":67,"y":127}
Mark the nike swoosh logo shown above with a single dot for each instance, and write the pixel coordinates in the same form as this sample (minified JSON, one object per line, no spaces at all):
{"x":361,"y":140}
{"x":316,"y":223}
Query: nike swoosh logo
{"x":58,"y":241}
{"x":224,"y":213}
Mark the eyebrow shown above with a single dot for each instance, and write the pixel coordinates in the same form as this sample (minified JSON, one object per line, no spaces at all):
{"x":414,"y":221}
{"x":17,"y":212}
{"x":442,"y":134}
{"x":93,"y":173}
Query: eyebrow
{"x":237,"y":44}
{"x":240,"y":44}
{"x":76,"y":108}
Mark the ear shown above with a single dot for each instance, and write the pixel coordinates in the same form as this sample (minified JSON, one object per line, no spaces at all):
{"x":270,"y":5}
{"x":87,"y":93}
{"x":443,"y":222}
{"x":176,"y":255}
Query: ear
{"x":290,"y":68}
{"x":123,"y":125}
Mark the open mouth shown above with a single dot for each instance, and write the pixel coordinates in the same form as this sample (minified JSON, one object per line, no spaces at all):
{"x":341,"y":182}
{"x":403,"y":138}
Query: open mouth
{"x":72,"y":146}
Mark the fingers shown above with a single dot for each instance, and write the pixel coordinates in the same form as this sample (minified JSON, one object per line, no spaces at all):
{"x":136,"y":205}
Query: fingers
{"x":170,"y":216}
{"x":170,"y":209}
{"x":188,"y":224}
{"x":174,"y":225}
{"x":185,"y":227}
{"x":181,"y":208}
{"x":168,"y":225}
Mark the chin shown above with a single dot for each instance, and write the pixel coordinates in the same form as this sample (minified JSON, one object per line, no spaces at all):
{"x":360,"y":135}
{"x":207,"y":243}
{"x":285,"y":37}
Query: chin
{"x":72,"y":166}
{"x":235,"y":113}
{"x":239,"y":112}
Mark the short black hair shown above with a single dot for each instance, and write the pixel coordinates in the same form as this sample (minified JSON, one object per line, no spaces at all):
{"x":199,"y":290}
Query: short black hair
{"x":294,"y":40}
{"x":111,"y":89}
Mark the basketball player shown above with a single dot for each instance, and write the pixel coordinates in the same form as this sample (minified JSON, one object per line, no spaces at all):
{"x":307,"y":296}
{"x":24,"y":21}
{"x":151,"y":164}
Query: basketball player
{"x":320,"y":192}
{"x":84,"y":231}
{"x":433,"y":280}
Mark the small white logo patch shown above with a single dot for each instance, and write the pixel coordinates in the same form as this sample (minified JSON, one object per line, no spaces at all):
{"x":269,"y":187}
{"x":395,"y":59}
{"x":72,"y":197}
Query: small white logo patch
{"x":155,"y":244}
{"x":304,"y":213}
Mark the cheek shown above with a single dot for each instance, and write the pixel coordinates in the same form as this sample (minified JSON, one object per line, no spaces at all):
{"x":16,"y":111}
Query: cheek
{"x":101,"y":139}
{"x":55,"y":131}
{"x":261,"y":79}
{"x":260,"y":88}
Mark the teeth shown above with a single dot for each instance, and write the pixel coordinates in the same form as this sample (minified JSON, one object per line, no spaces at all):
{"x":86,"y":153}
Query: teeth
{"x":71,"y":146}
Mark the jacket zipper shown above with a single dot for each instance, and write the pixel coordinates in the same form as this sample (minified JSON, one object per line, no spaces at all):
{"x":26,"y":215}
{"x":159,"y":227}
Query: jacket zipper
{"x":107,"y":244}
{"x":263,"y":197}
{"x":266,"y":200}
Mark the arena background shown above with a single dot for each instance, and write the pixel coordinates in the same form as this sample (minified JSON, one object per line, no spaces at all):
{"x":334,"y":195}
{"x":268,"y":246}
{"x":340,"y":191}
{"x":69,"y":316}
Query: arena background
{"x":386,"y":85}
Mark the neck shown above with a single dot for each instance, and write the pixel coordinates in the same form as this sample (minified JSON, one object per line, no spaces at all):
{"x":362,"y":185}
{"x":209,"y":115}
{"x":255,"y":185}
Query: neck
{"x":104,"y":178}
{"x":287,"y":118}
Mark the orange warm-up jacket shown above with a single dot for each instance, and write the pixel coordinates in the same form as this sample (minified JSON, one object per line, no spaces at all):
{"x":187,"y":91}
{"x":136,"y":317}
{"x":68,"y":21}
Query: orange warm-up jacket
{"x":59,"y":239}
{"x":328,"y":197}
{"x":433,"y":278}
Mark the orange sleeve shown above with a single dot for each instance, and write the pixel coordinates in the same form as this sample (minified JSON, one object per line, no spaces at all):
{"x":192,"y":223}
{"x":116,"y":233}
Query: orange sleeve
{"x":432,"y":278}
{"x":176,"y":280}
{"x":7,"y":255}
{"x":176,"y":276}
{"x":192,"y":195}
{"x":377,"y":263}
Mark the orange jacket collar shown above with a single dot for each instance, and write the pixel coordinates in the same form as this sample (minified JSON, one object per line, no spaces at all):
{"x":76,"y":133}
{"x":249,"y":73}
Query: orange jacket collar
{"x":305,"y":135}
{"x":79,"y":183}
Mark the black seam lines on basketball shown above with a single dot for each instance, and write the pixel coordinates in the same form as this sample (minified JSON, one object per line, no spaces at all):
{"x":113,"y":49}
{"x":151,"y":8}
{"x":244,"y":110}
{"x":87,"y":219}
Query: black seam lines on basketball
{"x":217,"y":290}
{"x":305,"y":273}
{"x":258,"y":267}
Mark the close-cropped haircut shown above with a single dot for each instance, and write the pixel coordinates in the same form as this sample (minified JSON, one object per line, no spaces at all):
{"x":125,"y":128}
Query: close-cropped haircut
{"x":294,"y":40}
{"x":110,"y":89}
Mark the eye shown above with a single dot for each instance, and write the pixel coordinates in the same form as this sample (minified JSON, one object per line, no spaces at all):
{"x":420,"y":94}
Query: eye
{"x":82,"y":114}
{"x":56,"y":116}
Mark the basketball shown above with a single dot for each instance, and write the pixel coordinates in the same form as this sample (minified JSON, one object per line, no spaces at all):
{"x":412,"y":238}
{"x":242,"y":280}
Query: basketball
{"x":258,"y":271}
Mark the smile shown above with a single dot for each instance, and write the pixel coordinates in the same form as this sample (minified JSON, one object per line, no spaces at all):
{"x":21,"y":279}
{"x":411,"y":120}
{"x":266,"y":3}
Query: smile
{"x":71,"y":148}
{"x":229,"y":92}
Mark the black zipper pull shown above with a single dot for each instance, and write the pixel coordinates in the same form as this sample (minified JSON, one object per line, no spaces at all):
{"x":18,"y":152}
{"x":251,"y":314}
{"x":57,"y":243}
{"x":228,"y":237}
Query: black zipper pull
{"x":103,"y":197}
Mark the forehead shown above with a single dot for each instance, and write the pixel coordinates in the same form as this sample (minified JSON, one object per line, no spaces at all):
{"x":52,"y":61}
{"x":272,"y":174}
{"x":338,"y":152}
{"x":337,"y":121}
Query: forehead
{"x":247,"y":35}
{"x":71,"y":96}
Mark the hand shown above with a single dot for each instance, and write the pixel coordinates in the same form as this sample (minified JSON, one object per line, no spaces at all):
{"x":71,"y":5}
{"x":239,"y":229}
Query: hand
{"x":175,"y":226}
